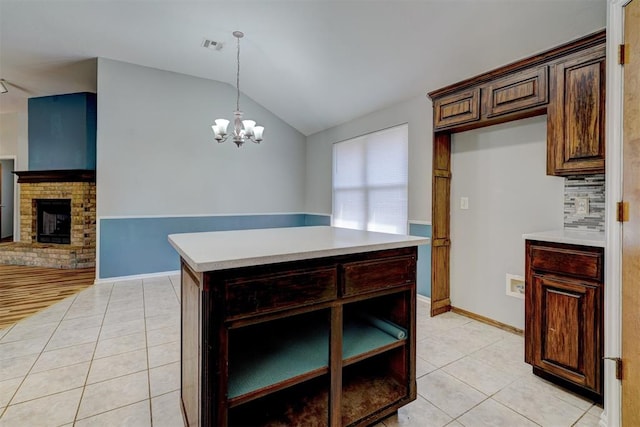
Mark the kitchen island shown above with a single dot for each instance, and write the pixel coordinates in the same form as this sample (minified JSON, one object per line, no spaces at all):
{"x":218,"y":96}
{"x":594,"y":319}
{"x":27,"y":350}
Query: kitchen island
{"x":296,"y":326}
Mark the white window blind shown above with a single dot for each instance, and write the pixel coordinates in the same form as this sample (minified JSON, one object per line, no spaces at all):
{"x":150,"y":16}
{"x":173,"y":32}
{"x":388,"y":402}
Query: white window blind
{"x":370,"y":181}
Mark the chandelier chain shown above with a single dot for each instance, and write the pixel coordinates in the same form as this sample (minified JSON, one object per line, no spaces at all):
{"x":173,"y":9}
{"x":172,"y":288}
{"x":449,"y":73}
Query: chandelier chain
{"x":238,"y":77}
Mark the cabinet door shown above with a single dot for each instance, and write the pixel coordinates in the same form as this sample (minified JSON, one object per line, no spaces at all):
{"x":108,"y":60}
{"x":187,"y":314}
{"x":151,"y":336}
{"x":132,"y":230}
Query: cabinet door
{"x":566,"y":333}
{"x":457,"y":109}
{"x":576,"y":128}
{"x":516,"y":92}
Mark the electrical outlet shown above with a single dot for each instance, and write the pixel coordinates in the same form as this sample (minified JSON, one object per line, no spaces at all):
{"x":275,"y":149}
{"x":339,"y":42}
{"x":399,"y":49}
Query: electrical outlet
{"x":582,"y":205}
{"x":464,"y":203}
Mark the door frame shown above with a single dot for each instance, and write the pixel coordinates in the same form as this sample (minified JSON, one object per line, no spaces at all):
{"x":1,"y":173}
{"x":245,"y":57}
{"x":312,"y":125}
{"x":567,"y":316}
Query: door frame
{"x":613,"y":253}
{"x":16,"y":196}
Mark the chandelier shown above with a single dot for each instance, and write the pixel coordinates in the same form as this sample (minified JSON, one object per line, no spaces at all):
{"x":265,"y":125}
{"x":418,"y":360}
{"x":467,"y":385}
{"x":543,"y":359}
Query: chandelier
{"x":242,"y":129}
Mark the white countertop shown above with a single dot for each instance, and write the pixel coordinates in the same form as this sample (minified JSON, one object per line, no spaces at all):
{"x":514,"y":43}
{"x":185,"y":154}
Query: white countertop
{"x":568,"y":236}
{"x":220,"y":250}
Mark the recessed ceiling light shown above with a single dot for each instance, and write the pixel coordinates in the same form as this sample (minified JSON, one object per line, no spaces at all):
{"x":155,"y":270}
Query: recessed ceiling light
{"x":211,"y":44}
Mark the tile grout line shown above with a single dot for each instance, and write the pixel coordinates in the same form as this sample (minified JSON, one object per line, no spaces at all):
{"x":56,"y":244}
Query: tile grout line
{"x":495,"y":393}
{"x":487,"y":397}
{"x":120,"y":376}
{"x":84,"y":387}
{"x":510,"y":408}
{"x":582,"y":416}
{"x":146,"y":347}
{"x":6,"y":408}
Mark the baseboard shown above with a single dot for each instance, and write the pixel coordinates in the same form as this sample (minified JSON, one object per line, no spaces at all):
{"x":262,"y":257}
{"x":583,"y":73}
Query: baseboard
{"x":424,"y":299}
{"x":487,"y":320}
{"x":136,"y":277}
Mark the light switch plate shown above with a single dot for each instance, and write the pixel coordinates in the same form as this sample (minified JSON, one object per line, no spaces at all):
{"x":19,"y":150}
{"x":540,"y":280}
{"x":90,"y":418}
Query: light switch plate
{"x":464,"y":203}
{"x":582,"y":205}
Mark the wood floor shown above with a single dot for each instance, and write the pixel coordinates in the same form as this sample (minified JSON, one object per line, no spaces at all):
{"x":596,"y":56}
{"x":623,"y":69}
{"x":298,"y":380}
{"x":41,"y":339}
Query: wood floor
{"x":27,"y":290}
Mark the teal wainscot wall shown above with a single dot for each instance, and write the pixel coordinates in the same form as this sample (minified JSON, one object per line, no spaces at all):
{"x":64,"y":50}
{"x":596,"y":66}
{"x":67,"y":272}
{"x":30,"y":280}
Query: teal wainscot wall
{"x":424,"y":258}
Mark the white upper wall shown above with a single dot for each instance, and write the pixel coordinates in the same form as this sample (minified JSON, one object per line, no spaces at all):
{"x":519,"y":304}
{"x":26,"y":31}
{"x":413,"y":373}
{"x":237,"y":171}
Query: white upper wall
{"x":417,"y":113}
{"x":13,"y":145}
{"x":13,"y":136}
{"x":502,"y":170}
{"x":8,"y":134}
{"x":156,"y":154}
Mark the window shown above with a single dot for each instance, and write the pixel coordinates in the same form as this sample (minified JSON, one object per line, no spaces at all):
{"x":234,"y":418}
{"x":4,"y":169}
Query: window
{"x":370,"y":181}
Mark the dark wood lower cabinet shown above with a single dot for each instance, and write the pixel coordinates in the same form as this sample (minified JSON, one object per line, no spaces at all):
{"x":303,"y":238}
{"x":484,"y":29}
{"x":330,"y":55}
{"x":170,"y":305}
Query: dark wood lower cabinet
{"x":323,"y":342}
{"x":564,"y":314}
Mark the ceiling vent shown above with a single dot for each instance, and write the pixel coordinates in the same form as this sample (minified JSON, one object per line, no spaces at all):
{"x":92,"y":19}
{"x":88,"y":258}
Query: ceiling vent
{"x":211,"y":44}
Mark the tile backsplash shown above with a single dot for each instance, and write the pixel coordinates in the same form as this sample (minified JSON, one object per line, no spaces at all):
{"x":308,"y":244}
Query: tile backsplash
{"x":588,"y":186}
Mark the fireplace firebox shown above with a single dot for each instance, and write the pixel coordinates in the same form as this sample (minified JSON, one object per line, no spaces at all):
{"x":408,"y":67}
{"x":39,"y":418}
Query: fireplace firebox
{"x":54,"y":221}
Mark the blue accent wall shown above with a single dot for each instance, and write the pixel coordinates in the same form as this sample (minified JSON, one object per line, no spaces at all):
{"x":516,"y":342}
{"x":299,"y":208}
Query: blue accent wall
{"x":313,"y":219}
{"x":424,"y":258}
{"x":62,"y":132}
{"x":132,"y":246}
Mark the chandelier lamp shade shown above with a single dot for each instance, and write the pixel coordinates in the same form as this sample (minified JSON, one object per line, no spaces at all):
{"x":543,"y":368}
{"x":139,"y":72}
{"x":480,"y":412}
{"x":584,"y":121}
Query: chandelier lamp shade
{"x":243,"y":130}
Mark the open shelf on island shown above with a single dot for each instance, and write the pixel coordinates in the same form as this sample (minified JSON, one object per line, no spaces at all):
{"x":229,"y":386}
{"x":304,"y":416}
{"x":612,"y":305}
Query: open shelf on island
{"x":304,"y":404}
{"x":373,"y":385}
{"x":368,"y":387}
{"x":271,"y":356}
{"x":274,"y":355}
{"x":363,"y":337}
{"x":374,"y":326}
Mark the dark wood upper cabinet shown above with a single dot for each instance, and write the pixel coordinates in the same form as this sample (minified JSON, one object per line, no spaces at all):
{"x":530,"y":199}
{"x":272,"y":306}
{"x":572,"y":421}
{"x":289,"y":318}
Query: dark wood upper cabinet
{"x":457,"y":109}
{"x":576,"y":115}
{"x":516,"y":92}
{"x":513,"y":93}
{"x":566,"y":83}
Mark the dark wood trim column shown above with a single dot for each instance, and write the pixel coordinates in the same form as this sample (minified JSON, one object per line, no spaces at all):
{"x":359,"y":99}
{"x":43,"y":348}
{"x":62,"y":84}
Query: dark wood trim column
{"x":441,"y":224}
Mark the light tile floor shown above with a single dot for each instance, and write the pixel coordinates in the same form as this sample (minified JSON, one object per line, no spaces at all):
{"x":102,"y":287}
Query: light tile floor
{"x":110,"y":356}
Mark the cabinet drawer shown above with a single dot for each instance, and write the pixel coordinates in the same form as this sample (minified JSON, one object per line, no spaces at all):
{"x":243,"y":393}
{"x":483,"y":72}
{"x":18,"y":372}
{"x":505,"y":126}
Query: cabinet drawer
{"x":367,"y":276}
{"x":573,"y":262}
{"x":279,"y":291}
{"x":457,"y":109}
{"x":523,"y":90}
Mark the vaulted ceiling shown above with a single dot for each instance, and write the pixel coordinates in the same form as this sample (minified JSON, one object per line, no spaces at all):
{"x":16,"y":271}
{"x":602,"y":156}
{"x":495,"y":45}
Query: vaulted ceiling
{"x":314,"y":63}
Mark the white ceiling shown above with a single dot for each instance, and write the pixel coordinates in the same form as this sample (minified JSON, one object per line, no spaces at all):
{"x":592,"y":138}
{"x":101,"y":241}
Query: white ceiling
{"x":314,"y":63}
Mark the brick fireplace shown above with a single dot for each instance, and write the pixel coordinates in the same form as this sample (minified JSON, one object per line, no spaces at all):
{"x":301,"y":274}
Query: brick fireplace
{"x":54,"y":236}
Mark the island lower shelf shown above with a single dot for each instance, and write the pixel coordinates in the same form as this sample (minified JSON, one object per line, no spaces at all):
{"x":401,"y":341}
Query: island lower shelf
{"x":271,"y":356}
{"x":321,"y":335}
{"x":367,"y":388}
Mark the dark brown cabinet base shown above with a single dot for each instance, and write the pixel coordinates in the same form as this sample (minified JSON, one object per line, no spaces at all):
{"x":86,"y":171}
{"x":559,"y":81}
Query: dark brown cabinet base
{"x":564,"y":318}
{"x":328,"y":341}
